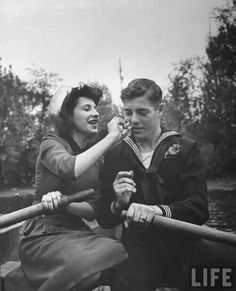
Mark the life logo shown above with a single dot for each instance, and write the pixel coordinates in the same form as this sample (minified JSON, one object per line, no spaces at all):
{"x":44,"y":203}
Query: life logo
{"x":211,"y":277}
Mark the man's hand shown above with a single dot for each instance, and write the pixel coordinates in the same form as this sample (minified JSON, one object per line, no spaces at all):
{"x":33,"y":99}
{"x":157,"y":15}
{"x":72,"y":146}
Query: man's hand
{"x":124,"y":187}
{"x":141,"y":214}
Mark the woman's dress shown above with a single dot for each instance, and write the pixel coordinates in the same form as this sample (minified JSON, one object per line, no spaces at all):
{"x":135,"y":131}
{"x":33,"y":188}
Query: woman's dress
{"x":59,"y":250}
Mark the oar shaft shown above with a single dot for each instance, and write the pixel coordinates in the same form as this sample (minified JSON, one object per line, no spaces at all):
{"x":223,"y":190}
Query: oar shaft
{"x":192,"y":230}
{"x":195,"y":230}
{"x":38,"y":209}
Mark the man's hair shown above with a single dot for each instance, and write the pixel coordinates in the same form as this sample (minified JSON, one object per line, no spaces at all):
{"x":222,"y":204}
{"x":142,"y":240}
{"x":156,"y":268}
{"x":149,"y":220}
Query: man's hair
{"x":139,"y":87}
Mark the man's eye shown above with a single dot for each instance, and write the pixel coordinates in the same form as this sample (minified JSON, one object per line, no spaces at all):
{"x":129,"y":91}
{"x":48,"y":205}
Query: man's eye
{"x":143,"y":112}
{"x":87,"y":108}
{"x":128,"y":113}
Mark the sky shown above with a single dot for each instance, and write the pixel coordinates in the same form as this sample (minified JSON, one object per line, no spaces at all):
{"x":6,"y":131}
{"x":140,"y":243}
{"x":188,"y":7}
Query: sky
{"x":83,"y":40}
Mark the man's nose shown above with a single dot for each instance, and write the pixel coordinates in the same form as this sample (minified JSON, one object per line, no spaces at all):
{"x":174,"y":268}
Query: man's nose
{"x":134,"y":119}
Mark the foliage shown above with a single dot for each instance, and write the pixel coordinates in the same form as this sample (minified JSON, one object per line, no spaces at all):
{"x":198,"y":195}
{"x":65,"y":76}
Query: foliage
{"x":183,"y":101}
{"x":23,"y":121}
{"x":219,"y":88}
{"x":200,"y":101}
{"x":13,"y":105}
{"x":41,"y":87}
{"x":16,"y":123}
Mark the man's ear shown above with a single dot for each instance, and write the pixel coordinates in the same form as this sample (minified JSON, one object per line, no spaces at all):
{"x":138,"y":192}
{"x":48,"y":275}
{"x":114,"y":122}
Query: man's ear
{"x":161,"y":107}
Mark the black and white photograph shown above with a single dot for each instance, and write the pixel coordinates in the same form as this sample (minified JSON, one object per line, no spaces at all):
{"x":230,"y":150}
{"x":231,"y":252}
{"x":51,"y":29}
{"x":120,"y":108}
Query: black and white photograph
{"x":117,"y":145}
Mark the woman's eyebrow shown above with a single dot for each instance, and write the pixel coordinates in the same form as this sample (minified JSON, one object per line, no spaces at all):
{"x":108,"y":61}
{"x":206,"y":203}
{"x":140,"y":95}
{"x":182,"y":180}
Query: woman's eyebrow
{"x":85,"y":104}
{"x":88,"y":104}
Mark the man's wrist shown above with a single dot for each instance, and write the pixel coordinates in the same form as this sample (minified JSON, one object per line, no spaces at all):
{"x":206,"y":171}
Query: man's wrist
{"x":166,"y":211}
{"x":158,"y":210}
{"x":115,"y":209}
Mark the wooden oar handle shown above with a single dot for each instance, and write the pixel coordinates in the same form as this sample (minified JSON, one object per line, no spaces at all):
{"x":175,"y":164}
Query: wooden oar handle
{"x":38,"y":209}
{"x":192,"y":230}
{"x":76,"y":197}
{"x":123,"y":214}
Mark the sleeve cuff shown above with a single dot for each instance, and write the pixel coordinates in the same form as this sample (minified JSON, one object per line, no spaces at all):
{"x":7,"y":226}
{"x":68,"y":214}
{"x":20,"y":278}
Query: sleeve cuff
{"x":166,"y":210}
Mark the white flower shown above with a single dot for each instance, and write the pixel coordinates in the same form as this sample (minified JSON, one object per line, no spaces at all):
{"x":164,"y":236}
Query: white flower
{"x":172,"y":150}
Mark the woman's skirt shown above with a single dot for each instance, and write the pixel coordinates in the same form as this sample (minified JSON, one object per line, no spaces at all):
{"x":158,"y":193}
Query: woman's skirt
{"x":60,"y":257}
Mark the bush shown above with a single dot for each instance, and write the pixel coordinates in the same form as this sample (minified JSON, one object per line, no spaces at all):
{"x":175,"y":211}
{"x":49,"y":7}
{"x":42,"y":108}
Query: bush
{"x":212,"y":159}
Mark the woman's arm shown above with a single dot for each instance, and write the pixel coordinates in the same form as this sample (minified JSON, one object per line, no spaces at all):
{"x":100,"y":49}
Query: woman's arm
{"x":86,"y":159}
{"x":55,"y":156}
{"x":82,"y":210}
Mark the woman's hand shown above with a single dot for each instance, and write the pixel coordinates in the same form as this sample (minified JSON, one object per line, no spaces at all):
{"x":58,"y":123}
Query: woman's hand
{"x":118,"y":128}
{"x":51,"y":200}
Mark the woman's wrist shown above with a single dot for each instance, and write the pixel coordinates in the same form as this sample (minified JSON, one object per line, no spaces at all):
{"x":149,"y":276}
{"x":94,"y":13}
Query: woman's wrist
{"x":113,"y":136}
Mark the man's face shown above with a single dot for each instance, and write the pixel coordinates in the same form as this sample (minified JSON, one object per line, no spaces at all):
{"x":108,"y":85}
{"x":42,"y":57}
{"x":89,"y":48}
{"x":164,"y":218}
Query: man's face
{"x":143,"y":116}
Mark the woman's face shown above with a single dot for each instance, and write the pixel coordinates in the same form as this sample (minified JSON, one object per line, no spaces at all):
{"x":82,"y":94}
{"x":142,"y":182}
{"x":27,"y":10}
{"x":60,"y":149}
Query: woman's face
{"x":85,"y":117}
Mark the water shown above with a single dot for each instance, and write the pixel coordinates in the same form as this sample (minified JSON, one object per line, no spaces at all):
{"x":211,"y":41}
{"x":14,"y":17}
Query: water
{"x":222,"y":208}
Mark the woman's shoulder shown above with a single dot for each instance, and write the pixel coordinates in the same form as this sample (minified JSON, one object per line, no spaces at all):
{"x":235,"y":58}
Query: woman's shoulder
{"x":52,"y":139}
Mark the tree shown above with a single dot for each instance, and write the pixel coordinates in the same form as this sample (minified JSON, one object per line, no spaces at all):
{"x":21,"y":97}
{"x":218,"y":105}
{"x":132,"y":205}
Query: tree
{"x":184,"y":98}
{"x":16,"y":123}
{"x":121,"y":76}
{"x":201,"y":99}
{"x":221,"y":49}
{"x":219,"y":90}
{"x":23,"y":121}
{"x":41,"y":87}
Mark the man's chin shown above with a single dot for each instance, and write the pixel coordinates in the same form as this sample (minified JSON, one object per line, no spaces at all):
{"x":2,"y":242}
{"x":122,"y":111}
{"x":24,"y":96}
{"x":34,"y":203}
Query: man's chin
{"x":137,"y":134}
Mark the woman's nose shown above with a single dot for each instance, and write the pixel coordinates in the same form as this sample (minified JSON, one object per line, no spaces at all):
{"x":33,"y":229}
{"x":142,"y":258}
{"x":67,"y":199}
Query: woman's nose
{"x":95,"y":112}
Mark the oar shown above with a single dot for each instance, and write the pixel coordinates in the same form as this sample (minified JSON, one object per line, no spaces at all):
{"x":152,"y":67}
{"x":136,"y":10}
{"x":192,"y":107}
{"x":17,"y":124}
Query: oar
{"x":38,"y":209}
{"x":193,"y":230}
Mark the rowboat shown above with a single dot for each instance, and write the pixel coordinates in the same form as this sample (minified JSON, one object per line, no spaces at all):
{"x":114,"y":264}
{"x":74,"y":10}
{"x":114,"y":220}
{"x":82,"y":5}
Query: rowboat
{"x":12,"y":278}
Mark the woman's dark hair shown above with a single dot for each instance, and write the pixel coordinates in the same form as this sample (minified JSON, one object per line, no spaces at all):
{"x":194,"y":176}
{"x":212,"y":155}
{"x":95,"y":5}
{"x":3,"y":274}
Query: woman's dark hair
{"x":63,"y":123}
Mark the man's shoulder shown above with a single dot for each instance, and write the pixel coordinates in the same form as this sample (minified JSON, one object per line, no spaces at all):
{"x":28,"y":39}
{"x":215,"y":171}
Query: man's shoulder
{"x":186,"y":144}
{"x":117,"y":151}
{"x":186,"y":141}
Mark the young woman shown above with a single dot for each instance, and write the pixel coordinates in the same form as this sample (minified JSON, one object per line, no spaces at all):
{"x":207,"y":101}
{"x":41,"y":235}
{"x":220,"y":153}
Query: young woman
{"x":59,"y":251}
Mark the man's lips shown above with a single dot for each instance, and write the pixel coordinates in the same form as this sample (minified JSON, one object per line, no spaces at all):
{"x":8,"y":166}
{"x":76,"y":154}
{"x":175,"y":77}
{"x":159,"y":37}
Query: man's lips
{"x":137,"y":128}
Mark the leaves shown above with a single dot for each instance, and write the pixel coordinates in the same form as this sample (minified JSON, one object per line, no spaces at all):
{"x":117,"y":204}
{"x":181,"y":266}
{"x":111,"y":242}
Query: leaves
{"x":201,"y":99}
{"x":23,"y":108}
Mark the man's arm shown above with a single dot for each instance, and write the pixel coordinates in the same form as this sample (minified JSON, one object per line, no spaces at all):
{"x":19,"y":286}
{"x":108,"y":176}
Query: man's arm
{"x":193,"y":206}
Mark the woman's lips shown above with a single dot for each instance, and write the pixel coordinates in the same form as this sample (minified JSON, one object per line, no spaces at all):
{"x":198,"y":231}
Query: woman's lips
{"x":93,"y":122}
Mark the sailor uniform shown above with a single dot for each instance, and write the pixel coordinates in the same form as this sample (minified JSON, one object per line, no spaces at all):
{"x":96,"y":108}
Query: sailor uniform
{"x":175,"y":182}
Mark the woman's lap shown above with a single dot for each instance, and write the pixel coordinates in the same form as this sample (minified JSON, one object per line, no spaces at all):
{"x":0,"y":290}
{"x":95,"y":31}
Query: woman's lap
{"x":66,"y":259}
